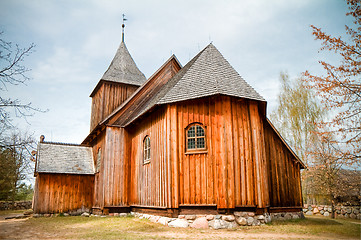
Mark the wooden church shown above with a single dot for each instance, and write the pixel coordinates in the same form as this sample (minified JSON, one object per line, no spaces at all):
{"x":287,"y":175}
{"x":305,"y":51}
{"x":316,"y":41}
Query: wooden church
{"x":189,"y":139}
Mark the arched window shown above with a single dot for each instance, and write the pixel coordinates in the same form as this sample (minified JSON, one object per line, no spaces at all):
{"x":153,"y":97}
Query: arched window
{"x":99,"y":159}
{"x":146,"y":150}
{"x":195,"y":137}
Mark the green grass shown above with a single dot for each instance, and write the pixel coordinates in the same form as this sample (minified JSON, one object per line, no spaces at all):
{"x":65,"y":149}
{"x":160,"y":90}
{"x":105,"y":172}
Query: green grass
{"x":317,"y":226}
{"x":134,"y":228}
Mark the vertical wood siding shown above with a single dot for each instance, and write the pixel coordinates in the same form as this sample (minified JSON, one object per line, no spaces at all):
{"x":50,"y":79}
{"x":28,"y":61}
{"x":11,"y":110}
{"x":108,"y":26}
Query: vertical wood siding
{"x":56,"y":193}
{"x":232,"y":171}
{"x":108,"y":97}
{"x":99,"y":142}
{"x":283,"y":171}
{"x":149,"y":181}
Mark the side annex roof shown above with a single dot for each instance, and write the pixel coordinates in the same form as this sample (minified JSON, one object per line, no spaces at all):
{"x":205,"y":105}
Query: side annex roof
{"x":64,"y":158}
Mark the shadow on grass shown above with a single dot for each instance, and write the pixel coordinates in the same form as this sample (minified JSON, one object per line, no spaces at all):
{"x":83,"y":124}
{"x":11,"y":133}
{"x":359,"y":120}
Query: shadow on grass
{"x":308,"y":221}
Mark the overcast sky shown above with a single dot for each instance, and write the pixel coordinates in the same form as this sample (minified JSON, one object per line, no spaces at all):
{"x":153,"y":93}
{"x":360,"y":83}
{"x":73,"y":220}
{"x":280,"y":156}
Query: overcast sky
{"x":76,"y":41}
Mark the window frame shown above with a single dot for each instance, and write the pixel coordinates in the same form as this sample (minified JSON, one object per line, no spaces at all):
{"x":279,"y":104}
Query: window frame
{"x":99,"y":160}
{"x":146,"y":156}
{"x":195,"y":150}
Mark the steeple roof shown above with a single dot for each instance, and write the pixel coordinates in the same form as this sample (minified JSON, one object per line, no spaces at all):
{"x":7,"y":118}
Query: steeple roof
{"x":123,"y":69}
{"x":207,"y":74}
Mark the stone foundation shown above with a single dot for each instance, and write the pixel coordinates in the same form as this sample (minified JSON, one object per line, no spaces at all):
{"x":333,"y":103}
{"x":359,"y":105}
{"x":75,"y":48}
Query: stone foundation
{"x":18,"y":205}
{"x":221,"y":221}
{"x":353,"y":212}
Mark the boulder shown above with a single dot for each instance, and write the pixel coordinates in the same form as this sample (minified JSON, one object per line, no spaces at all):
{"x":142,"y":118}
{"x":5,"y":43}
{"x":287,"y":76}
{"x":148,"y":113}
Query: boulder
{"x":349,"y":210}
{"x":250,"y":221}
{"x":309,"y":213}
{"x":181,"y":216}
{"x":200,"y":223}
{"x":315,"y":211}
{"x":326,"y":214}
{"x":218,"y":217}
{"x":256,"y":222}
{"x":241,"y":221}
{"x":182,"y":223}
{"x":288,"y":216}
{"x":322,"y":212}
{"x":353,"y":216}
{"x":295,"y":216}
{"x":309,"y":208}
{"x":123,"y":214}
{"x":218,"y":224}
{"x":260,"y":217}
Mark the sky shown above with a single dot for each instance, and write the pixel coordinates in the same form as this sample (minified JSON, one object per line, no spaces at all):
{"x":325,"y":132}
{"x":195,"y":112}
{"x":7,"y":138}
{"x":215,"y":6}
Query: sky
{"x":76,"y":41}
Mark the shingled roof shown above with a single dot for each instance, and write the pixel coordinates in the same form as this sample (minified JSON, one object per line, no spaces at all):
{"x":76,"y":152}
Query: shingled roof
{"x":207,"y":74}
{"x":64,"y":158}
{"x":123,"y":69}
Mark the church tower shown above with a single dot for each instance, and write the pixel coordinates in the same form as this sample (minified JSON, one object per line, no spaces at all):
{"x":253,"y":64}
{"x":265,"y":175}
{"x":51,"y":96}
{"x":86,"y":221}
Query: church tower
{"x":117,"y":84}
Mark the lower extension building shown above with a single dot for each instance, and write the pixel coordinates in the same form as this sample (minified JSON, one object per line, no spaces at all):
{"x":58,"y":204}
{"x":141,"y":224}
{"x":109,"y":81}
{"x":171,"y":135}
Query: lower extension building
{"x":189,"y":139}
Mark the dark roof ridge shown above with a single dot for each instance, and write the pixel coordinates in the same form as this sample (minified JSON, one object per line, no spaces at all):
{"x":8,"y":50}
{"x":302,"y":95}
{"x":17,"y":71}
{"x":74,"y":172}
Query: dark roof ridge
{"x":62,"y":143}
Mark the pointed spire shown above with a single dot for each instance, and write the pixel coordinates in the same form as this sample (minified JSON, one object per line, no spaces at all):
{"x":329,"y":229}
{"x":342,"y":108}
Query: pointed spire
{"x":123,"y":26}
{"x":123,"y":69}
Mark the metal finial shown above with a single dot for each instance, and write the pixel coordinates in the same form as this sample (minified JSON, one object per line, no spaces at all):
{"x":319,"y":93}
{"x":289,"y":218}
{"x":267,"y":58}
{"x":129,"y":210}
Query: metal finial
{"x":123,"y":26}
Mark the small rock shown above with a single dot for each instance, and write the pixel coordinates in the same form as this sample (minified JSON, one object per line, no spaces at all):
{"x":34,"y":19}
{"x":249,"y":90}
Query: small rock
{"x":190,"y":217}
{"x":232,"y":225}
{"x":116,"y":214}
{"x":260,"y":217}
{"x":309,"y":208}
{"x":228,"y":218}
{"x":304,"y":210}
{"x":349,"y":210}
{"x":288,"y":216}
{"x":322,"y":212}
{"x":326,"y":214}
{"x":111,"y":214}
{"x":256,"y":223}
{"x":85,"y":214}
{"x":181,"y":216}
{"x":251,"y":214}
{"x":123,"y":214}
{"x":36,"y":215}
{"x":200,"y":223}
{"x":295,"y":216}
{"x":241,"y":221}
{"x":218,"y":217}
{"x":355,"y":211}
{"x":237,"y":214}
{"x":353,"y":216}
{"x":320,"y":208}
{"x":182,"y":223}
{"x":315,"y":211}
{"x":209,"y":217}
{"x":46,"y":215}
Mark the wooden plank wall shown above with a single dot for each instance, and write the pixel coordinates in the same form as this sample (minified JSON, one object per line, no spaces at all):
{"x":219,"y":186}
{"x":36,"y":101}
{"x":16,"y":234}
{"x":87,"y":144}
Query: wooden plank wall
{"x":115,"y":168}
{"x":284,"y":172}
{"x":55,"y":193}
{"x":99,"y":142}
{"x":149,"y":182}
{"x":108,"y":97}
{"x":233,"y":171}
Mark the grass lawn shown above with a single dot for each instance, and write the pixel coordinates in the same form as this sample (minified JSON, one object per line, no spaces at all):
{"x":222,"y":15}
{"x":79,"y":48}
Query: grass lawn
{"x":134,"y":228}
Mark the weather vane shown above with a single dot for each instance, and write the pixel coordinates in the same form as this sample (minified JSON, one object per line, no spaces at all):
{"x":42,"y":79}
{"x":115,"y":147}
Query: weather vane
{"x":123,"y":26}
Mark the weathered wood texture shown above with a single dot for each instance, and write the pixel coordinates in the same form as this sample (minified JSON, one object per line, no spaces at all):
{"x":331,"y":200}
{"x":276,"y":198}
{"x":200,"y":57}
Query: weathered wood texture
{"x":56,"y":193}
{"x":232,"y":172}
{"x":111,"y":181}
{"x":283,"y":172}
{"x":149,"y":182}
{"x":107,"y":98}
